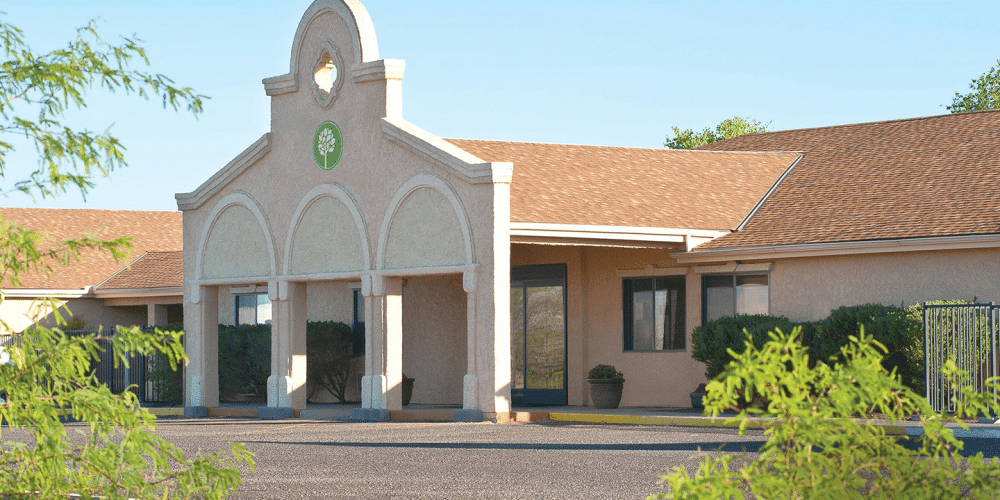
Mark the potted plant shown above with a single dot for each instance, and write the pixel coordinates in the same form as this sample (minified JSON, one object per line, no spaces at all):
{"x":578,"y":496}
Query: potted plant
{"x":605,"y":386}
{"x":698,"y":396}
{"x":407,"y":389}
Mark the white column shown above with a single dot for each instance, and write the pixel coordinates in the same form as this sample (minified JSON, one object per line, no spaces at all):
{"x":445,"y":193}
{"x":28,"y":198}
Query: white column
{"x":470,"y":383}
{"x":381,"y":387}
{"x":201,"y":342}
{"x":286,"y":387}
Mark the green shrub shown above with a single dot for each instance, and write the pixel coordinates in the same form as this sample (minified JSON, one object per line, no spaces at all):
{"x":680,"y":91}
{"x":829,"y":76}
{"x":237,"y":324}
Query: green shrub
{"x":244,"y":360}
{"x":814,"y":449}
{"x":604,"y":372}
{"x":167,"y":381}
{"x":710,"y":342}
{"x":893,"y":327}
{"x":328,"y":358}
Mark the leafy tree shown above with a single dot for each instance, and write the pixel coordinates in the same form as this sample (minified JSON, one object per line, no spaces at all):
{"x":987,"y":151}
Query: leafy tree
{"x":818,"y":447}
{"x":114,"y":452}
{"x":727,"y":129}
{"x":985,"y":93}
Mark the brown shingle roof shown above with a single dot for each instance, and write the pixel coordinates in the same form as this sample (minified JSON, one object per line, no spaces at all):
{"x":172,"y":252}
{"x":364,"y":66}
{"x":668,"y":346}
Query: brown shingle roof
{"x":615,"y":186}
{"x":150,"y":231}
{"x":150,"y":270}
{"x":933,"y":176}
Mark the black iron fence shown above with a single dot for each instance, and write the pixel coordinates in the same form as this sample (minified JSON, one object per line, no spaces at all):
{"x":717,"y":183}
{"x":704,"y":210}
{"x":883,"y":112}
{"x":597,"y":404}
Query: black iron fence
{"x":966,"y":334}
{"x":148,"y":377}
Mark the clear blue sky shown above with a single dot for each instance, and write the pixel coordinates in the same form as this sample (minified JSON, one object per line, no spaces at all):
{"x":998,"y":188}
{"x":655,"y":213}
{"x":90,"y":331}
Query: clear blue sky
{"x":581,"y":72}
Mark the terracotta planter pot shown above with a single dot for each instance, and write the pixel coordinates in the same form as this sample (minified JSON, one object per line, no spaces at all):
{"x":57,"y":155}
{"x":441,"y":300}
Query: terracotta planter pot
{"x":407,"y":390}
{"x":606,"y":393}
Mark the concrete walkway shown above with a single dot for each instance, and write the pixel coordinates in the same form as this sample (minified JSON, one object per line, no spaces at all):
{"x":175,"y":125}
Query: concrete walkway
{"x":568,"y":414}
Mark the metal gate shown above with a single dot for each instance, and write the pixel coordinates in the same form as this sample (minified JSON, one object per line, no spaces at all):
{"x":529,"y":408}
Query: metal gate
{"x":967,"y":334}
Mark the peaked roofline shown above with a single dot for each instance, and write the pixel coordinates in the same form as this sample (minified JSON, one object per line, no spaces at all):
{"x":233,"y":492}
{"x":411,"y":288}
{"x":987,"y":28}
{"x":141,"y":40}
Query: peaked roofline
{"x":848,"y":125}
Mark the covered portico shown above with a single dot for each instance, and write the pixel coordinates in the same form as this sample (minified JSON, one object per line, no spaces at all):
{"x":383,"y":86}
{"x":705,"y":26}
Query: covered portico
{"x":343,"y":192}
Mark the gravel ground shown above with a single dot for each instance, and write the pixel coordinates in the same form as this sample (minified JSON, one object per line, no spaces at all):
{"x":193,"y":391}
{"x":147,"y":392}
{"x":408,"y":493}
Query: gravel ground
{"x":326,"y":459}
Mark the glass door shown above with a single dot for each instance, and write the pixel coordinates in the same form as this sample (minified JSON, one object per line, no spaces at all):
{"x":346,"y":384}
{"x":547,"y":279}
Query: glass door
{"x":538,"y":335}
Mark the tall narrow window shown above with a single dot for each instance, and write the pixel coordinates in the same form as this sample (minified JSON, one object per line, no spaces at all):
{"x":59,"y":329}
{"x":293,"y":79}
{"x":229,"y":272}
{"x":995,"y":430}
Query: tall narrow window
{"x":358,"y":328}
{"x":653,"y":312}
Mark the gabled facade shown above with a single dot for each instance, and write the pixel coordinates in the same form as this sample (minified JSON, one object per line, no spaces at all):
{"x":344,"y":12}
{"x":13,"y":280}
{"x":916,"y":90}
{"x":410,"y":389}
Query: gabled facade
{"x":491,"y":272}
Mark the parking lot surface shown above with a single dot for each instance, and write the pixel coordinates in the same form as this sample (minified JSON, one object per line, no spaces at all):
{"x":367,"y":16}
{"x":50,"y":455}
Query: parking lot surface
{"x":329,"y":459}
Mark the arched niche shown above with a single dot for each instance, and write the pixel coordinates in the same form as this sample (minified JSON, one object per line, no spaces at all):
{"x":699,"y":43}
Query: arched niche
{"x":426,"y":226}
{"x":328,"y":234}
{"x":236,"y":242}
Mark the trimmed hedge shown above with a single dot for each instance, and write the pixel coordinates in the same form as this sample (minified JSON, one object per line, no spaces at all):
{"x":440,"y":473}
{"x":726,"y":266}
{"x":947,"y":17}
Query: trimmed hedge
{"x":899,"y":330}
{"x":894,"y":327}
{"x":244,"y":360}
{"x":328,"y":358}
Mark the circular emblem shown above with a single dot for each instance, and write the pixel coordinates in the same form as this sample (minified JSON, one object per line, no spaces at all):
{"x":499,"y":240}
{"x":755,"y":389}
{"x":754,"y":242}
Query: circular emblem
{"x":328,"y":145}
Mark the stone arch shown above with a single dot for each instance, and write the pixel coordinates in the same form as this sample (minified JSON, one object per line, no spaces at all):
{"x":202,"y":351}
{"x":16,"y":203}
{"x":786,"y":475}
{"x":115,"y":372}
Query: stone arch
{"x":365,"y":46}
{"x":445,"y":239}
{"x":312,"y":247}
{"x":236,"y":241}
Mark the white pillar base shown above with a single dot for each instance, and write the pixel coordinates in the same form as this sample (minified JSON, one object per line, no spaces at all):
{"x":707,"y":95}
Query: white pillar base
{"x":196,"y":394}
{"x":277,"y":391}
{"x":470,"y":392}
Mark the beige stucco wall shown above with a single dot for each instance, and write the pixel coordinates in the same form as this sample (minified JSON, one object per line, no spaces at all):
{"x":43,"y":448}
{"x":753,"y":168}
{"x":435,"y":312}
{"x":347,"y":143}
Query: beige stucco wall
{"x":411,"y":206}
{"x":595,"y":323}
{"x":22,"y":313}
{"x":807,"y":289}
{"x":236,"y":246}
{"x":434,"y":342}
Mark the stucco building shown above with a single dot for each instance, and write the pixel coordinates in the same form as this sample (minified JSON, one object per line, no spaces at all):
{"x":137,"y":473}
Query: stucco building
{"x":498,"y":273}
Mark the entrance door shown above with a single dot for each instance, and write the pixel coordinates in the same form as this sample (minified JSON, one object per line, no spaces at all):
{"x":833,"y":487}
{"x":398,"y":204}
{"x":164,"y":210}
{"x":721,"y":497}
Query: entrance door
{"x":538,"y":334}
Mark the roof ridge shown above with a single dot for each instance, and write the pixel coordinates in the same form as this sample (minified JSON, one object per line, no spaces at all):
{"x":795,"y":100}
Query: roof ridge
{"x":120,"y":270}
{"x":662,"y":149}
{"x":878,"y":122}
{"x":46,"y":209}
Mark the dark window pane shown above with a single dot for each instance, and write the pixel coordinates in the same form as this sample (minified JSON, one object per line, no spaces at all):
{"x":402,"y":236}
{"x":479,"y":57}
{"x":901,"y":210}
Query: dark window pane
{"x":517,"y":337}
{"x":545,"y":337}
{"x":670,"y":321}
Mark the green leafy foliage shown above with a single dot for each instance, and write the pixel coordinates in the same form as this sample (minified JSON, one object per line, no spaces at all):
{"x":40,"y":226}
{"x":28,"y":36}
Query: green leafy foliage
{"x":37,"y":89}
{"x":116,"y":452}
{"x":328,"y":358}
{"x":727,"y":129}
{"x":244,"y":361}
{"x":984,"y":93}
{"x":892,"y":327}
{"x":604,"y":372}
{"x":815,"y":446}
{"x":715,"y":342}
{"x":166,"y":378}
{"x":113,"y":452}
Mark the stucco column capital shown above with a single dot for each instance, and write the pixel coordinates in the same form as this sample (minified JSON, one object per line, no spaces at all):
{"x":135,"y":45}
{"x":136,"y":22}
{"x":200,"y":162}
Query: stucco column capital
{"x":469,"y":279}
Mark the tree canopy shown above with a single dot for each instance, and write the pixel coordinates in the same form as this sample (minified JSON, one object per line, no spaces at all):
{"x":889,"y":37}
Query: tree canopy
{"x":984,"y":93}
{"x":727,"y":129}
{"x":45,"y":374}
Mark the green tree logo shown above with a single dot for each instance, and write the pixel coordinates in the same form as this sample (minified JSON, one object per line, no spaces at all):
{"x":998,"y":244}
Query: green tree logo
{"x":328,"y":145}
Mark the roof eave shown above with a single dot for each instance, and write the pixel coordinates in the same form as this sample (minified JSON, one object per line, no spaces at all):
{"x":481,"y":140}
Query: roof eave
{"x":614,"y":236}
{"x":920,"y":244}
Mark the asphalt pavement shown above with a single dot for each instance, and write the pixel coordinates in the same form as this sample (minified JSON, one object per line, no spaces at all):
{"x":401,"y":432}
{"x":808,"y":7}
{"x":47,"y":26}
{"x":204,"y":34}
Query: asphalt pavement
{"x":330,"y":459}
